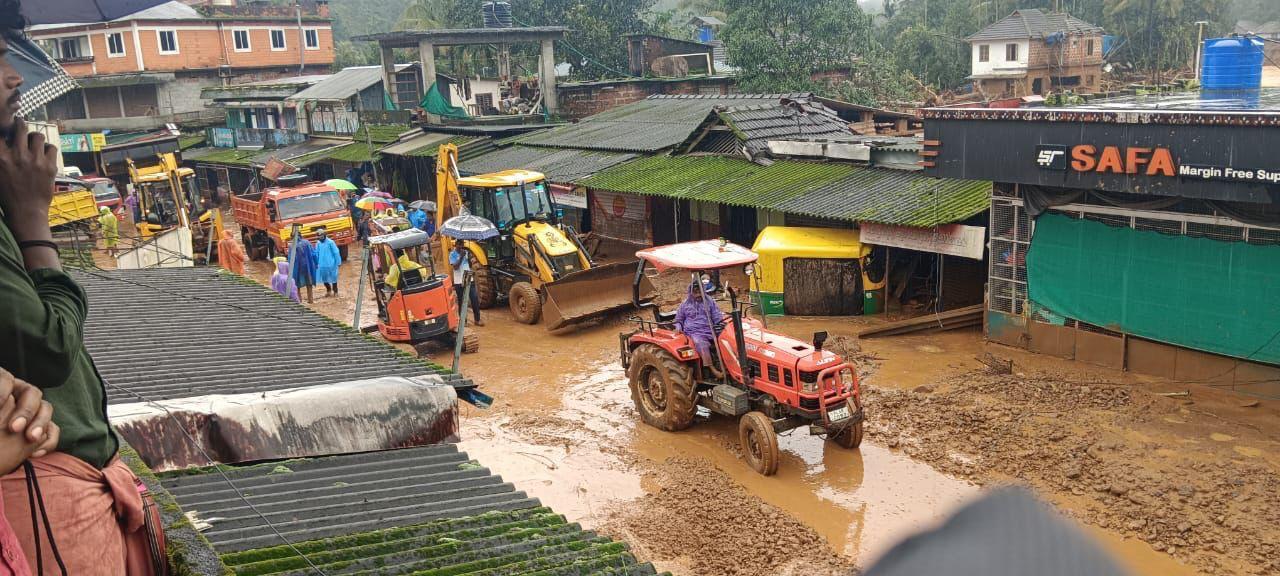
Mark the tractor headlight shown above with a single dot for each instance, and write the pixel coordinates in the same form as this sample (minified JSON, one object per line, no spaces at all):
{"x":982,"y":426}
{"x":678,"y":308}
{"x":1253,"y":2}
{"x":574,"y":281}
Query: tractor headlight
{"x":846,"y":379}
{"x":687,"y":353}
{"x":810,"y":387}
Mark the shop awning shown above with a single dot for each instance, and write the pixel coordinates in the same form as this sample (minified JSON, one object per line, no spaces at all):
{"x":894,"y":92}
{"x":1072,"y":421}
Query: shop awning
{"x":821,"y":189}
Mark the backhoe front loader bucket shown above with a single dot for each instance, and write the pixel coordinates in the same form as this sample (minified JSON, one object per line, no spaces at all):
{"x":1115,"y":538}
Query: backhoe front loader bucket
{"x":591,"y":292}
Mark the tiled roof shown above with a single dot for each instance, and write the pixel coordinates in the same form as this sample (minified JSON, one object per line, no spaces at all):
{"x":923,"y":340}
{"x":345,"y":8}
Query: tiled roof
{"x":558,"y":165}
{"x":827,"y":189}
{"x":1034,"y":23}
{"x":649,"y":125}
{"x":199,"y":331}
{"x":758,"y":124}
{"x":421,"y":510}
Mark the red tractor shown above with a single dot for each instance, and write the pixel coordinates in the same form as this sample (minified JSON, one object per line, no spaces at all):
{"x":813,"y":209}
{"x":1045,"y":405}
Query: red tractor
{"x":771,"y":382}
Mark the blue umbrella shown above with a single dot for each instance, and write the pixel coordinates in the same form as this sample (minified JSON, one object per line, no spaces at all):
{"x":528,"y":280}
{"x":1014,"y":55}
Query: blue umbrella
{"x":468,"y":226}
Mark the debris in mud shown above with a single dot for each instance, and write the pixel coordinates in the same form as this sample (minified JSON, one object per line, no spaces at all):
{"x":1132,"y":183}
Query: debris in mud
{"x":701,"y":518}
{"x":1201,"y":504}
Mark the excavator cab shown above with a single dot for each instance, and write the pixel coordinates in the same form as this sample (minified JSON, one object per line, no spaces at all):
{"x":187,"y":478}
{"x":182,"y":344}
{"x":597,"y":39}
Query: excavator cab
{"x":536,"y":263}
{"x":416,"y":301}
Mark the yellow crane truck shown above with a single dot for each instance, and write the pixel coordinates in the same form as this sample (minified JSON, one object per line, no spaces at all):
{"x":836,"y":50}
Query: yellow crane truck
{"x":537,"y":263}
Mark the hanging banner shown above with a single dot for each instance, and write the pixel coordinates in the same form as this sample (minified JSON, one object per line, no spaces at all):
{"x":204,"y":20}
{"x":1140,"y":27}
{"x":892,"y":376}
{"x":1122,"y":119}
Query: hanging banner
{"x":75,"y":143}
{"x":222,"y":137}
{"x":949,"y":239}
{"x":569,"y":196}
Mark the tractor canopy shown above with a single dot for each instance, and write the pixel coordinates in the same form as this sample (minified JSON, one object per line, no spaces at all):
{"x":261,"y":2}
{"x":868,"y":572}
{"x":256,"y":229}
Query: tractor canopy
{"x":402,"y":239}
{"x":699,"y":255}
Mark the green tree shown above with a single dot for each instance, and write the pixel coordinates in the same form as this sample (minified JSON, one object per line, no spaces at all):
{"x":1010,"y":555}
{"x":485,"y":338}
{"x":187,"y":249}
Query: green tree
{"x":779,"y":48}
{"x":347,"y":53}
{"x":594,"y":47}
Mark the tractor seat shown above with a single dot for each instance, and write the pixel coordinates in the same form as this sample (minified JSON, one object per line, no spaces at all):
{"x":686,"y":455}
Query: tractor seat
{"x":664,"y":317}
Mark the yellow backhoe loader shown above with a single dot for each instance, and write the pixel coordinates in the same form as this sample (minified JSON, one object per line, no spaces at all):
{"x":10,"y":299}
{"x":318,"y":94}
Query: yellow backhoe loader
{"x":536,"y":263}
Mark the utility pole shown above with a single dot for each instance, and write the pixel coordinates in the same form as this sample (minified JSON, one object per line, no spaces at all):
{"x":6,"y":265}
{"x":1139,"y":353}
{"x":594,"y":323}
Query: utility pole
{"x":302,"y":38}
{"x":1199,"y":47}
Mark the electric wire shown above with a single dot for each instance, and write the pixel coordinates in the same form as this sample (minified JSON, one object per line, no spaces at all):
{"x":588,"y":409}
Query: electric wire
{"x":218,"y":468}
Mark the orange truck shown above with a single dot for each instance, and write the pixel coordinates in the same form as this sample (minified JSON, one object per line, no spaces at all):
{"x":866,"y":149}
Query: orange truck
{"x":266,"y":218}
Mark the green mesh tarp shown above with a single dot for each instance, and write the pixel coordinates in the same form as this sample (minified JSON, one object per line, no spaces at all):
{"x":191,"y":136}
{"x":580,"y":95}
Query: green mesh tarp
{"x":435,"y":103}
{"x":1221,"y":297}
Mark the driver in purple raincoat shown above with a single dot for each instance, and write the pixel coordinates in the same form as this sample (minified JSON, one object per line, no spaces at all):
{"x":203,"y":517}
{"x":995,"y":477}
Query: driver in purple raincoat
{"x":697,"y":318}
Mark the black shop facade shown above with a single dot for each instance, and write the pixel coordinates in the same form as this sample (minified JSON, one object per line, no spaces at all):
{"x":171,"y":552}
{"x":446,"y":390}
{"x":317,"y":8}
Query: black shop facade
{"x":1139,"y":239}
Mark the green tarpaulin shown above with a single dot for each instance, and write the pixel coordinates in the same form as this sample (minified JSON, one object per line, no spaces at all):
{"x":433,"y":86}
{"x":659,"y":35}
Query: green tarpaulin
{"x":1221,"y":297}
{"x":435,"y":103}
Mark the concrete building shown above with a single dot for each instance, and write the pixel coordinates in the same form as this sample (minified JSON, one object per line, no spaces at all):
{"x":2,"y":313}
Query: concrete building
{"x":1035,"y":52}
{"x":147,"y":69}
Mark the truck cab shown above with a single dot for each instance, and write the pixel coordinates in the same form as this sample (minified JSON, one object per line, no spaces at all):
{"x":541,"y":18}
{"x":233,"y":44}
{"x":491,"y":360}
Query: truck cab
{"x":266,"y":218}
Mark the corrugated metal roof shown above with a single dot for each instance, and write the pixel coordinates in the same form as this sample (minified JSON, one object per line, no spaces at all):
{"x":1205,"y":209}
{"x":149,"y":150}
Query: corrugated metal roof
{"x":417,"y":510}
{"x":558,"y":165}
{"x":649,"y":125}
{"x":1034,"y":23}
{"x":345,"y":83}
{"x":185,"y":332}
{"x":759,"y":124}
{"x":888,"y":196}
{"x":416,"y":142}
{"x":826,"y":189}
{"x":294,"y":151}
{"x":228,"y":156}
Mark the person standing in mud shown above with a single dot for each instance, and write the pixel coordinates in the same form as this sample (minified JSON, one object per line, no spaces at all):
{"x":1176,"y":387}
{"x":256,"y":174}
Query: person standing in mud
{"x":303,"y":263}
{"x":328,"y":258}
{"x":460,"y":261}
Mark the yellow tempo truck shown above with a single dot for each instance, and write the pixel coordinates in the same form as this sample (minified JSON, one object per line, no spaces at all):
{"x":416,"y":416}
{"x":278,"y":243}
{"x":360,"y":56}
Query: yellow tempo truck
{"x":73,"y":201}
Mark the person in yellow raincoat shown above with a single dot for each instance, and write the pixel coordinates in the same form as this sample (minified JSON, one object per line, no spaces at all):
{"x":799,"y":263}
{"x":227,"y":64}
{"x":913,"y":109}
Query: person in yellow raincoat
{"x":110,"y":230}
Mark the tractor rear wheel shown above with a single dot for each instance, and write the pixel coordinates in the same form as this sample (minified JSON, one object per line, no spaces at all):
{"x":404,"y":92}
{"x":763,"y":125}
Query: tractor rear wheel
{"x":850,"y":437}
{"x":525,"y":303}
{"x":662,"y":388}
{"x":759,"y":442}
{"x":486,"y":291}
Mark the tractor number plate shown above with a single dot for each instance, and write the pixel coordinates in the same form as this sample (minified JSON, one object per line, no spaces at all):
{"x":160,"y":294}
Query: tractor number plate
{"x":841,"y":413}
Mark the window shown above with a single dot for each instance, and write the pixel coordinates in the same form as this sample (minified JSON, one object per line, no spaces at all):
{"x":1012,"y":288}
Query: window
{"x":1088,"y":47}
{"x":773,"y":372}
{"x":984,"y":53}
{"x":69,"y":48}
{"x":1011,"y":52}
{"x":241,"y":40}
{"x":168,"y":41}
{"x":115,"y":45}
{"x":310,"y":204}
{"x":313,"y":39}
{"x":277,"y":40}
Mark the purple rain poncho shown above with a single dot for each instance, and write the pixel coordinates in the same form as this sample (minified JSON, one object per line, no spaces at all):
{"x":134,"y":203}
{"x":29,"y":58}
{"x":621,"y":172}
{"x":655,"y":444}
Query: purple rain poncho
{"x":282,"y":283}
{"x":692,"y":319}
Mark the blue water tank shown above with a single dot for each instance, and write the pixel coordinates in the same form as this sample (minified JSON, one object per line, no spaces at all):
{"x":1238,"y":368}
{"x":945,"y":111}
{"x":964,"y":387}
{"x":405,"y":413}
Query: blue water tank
{"x":1233,"y":63}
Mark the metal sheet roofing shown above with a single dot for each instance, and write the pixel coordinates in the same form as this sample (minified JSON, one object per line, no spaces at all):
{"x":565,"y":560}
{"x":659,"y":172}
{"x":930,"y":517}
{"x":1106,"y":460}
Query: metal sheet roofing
{"x":288,"y":153}
{"x":757,"y":125}
{"x":185,"y":332}
{"x":416,"y":142}
{"x":649,"y":125}
{"x":228,"y":156}
{"x":418,"y":510}
{"x":826,"y":189}
{"x":557,"y":165}
{"x":345,"y":83}
{"x":888,"y":196}
{"x":1034,"y":23}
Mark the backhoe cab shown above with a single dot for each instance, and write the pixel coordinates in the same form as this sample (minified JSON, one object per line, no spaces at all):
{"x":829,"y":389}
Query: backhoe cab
{"x":416,"y":301}
{"x":771,"y":382}
{"x":537,"y":263}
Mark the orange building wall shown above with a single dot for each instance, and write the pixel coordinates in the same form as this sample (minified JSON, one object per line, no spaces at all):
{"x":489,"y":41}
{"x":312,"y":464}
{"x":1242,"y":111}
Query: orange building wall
{"x":201,"y":48}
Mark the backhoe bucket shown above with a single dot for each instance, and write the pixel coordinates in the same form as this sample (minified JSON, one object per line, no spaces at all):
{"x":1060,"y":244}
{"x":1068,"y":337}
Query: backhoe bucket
{"x":591,"y":292}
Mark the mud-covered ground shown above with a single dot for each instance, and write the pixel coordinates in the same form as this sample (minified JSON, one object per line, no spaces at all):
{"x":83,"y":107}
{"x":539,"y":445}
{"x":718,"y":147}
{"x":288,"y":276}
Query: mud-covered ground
{"x":1177,"y":484}
{"x":1190,"y":475}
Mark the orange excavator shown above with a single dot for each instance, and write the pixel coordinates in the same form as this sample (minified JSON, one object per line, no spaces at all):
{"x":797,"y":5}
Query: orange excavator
{"x":416,"y":301}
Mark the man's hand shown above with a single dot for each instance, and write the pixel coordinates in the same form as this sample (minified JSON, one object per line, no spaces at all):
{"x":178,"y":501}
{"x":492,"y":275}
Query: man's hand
{"x":24,"y":413}
{"x":28,"y":165}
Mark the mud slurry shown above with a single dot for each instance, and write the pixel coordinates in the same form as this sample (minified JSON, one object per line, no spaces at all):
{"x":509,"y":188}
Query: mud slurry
{"x":699,"y":518}
{"x":1115,"y":456}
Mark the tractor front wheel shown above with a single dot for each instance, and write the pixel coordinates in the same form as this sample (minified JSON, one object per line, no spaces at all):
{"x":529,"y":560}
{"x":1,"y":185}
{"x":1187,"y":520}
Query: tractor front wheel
{"x":662,"y":388}
{"x":759,"y":442}
{"x":850,"y":437}
{"x":525,"y":303}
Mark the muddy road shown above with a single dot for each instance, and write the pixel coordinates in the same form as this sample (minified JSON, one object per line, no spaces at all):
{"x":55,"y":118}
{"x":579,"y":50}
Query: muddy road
{"x":1171,"y":485}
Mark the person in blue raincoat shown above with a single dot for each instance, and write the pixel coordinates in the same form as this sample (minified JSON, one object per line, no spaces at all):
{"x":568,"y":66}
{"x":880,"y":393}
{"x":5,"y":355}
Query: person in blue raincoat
{"x":328,"y":258}
{"x":696,"y":318}
{"x":303,"y":267}
{"x":418,"y":219}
